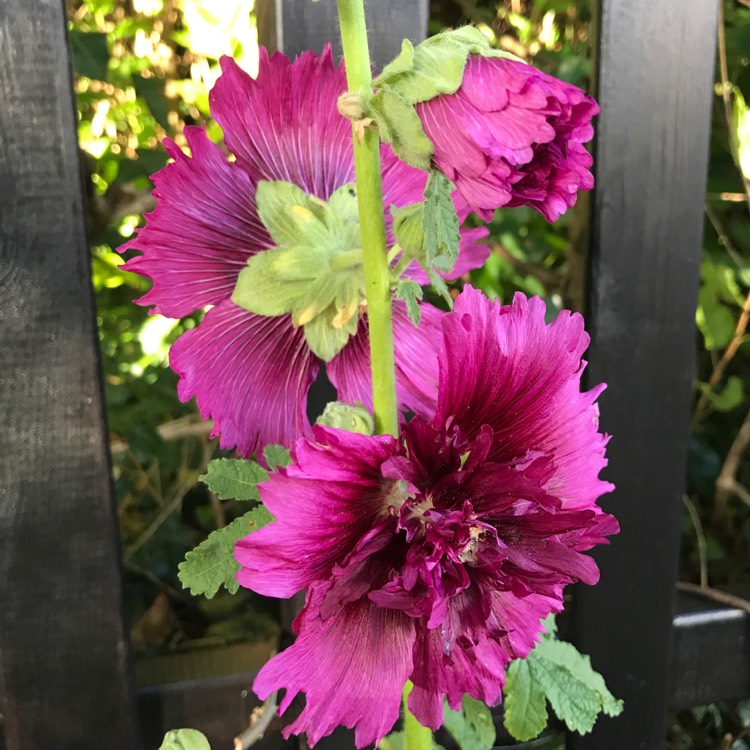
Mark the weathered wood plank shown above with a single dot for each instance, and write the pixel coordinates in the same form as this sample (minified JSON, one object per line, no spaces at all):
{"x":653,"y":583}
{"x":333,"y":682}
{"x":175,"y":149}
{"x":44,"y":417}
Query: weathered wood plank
{"x":296,"y":25}
{"x":655,"y":71}
{"x":63,"y":651}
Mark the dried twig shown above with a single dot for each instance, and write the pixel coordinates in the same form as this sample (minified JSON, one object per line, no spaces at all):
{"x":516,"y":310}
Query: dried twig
{"x":549,"y":279}
{"x":700,"y":538}
{"x":726,"y":482}
{"x":714,"y":594}
{"x":260,"y":718}
{"x":175,"y":429}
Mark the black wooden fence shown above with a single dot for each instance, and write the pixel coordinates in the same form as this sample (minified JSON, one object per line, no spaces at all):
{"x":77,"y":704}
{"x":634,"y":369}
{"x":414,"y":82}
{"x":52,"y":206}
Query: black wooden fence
{"x":64,"y":664}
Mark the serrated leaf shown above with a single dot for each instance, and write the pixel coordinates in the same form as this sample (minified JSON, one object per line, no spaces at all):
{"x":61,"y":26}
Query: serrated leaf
{"x":211,"y":564}
{"x":411,"y":293}
{"x":234,"y":478}
{"x":184,"y":739}
{"x":441,"y":235}
{"x":472,"y":727}
{"x":438,"y":284}
{"x":276,"y":455}
{"x":524,"y":701}
{"x":575,"y":691}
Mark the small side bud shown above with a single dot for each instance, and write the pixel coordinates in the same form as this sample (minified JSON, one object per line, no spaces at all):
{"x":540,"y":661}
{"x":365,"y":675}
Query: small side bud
{"x":351,"y":105}
{"x":347,"y":417}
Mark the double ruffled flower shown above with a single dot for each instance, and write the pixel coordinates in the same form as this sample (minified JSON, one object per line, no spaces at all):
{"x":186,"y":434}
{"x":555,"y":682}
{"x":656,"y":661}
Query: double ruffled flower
{"x":433,"y":557}
{"x":249,"y":372}
{"x":512,"y":136}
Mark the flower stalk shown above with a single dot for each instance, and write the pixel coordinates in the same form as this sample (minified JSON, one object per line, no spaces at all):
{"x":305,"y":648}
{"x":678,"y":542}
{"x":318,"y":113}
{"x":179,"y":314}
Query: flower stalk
{"x":372,"y":226}
{"x":416,"y":737}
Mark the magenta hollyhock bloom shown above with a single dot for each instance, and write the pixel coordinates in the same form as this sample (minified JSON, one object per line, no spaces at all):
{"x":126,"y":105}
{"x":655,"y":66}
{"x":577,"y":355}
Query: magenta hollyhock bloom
{"x":433,"y":557}
{"x":251,"y":373}
{"x":512,"y":136}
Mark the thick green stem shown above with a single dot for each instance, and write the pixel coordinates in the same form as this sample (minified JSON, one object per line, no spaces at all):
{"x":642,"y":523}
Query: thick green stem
{"x":371,"y":221}
{"x":416,"y":737}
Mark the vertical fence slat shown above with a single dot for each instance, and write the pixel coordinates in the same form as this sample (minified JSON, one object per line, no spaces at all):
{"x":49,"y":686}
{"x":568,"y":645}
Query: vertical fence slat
{"x":63,"y":651}
{"x":655,"y":71}
{"x":296,"y":25}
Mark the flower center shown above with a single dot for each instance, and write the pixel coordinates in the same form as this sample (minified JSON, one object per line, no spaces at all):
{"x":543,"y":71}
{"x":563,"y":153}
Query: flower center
{"x":315,"y":273}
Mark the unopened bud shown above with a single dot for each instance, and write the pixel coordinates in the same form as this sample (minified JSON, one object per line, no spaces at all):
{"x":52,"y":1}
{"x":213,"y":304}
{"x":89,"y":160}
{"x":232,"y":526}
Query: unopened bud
{"x":351,"y":106}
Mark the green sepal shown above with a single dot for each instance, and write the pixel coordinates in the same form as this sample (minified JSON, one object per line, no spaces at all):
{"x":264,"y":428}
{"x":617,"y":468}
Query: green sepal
{"x":184,"y":739}
{"x":399,"y":125}
{"x":472,"y":727}
{"x":349,"y":417}
{"x":211,"y":564}
{"x":276,"y":455}
{"x":316,"y":273}
{"x":434,"y":67}
{"x":408,"y":230}
{"x":411,"y":293}
{"x":234,"y":478}
{"x":396,"y":741}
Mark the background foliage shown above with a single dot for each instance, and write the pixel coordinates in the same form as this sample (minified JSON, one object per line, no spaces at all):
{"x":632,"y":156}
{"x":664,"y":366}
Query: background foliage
{"x":143,"y":71}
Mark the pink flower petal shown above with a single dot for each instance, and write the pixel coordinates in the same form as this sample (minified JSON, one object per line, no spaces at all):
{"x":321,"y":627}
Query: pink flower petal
{"x":340,"y":477}
{"x":204,"y":228}
{"x":351,"y":667}
{"x":416,"y":362}
{"x":251,"y":374}
{"x":505,"y":367}
{"x":284,"y":125}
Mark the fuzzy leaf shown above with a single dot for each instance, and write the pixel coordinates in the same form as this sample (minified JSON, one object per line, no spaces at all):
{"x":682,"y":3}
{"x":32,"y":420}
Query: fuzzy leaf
{"x":234,"y":478}
{"x":211,"y":564}
{"x":472,"y":727}
{"x":276,"y":455}
{"x":575,"y":691}
{"x":524,"y":701}
{"x":440,"y":223}
{"x":184,"y":739}
{"x":399,"y":124}
{"x":411,"y":293}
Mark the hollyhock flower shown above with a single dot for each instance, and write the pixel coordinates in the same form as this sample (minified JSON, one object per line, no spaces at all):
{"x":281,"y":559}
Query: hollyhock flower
{"x":512,"y":136}
{"x":433,"y":557}
{"x":250,"y":372}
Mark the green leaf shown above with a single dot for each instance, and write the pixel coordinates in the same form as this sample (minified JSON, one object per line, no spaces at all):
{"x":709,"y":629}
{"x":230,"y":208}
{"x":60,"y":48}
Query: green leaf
{"x":399,"y":124}
{"x":740,"y":139}
{"x":184,"y":739}
{"x":411,"y":293}
{"x":715,"y":322}
{"x":151,"y":90}
{"x":234,"y":478}
{"x":575,"y":691}
{"x":729,"y":398}
{"x":347,"y":417}
{"x":472,"y":727}
{"x":524,"y":701}
{"x":276,"y":455}
{"x":211,"y":564}
{"x":90,"y":54}
{"x":440,"y":223}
